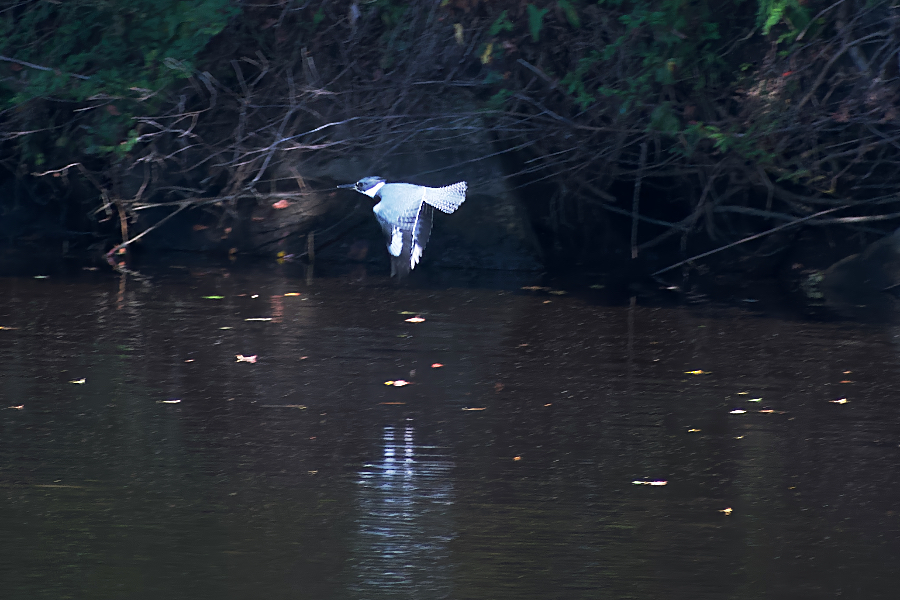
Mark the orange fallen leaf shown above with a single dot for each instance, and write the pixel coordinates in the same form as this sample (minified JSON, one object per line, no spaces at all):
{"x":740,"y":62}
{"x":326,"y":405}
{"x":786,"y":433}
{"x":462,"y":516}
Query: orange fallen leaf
{"x":19,"y":407}
{"x":517,"y":458}
{"x":281,"y":204}
{"x":436,"y":365}
{"x":292,"y":294}
{"x":846,"y":381}
{"x":242,"y":358}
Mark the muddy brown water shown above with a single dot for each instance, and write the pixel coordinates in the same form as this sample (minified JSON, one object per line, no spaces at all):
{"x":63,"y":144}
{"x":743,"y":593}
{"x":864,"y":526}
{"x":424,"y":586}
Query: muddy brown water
{"x":139,"y":458}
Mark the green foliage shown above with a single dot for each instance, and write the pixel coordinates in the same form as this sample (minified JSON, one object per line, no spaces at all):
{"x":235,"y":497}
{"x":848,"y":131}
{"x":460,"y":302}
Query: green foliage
{"x":573,"y":81}
{"x":501,"y":24}
{"x":536,"y":21}
{"x":105,"y":50}
{"x":570,"y":12}
{"x":771,"y":12}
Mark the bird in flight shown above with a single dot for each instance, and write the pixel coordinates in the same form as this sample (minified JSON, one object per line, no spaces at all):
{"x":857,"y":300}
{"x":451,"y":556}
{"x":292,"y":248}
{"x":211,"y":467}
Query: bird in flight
{"x":405,"y":212}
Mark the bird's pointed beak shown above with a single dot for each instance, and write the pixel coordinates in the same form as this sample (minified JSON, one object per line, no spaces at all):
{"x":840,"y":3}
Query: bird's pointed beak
{"x":347,"y":186}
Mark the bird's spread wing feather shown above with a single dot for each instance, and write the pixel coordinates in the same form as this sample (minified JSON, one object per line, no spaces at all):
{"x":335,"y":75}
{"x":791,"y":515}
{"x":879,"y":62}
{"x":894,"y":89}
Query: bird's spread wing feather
{"x":446,"y":199}
{"x":407,"y":235}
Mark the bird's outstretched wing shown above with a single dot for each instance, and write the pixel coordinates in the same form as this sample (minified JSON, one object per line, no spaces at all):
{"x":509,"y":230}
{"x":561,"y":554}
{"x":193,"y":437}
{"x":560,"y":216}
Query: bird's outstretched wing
{"x":406,"y":235}
{"x":446,"y":199}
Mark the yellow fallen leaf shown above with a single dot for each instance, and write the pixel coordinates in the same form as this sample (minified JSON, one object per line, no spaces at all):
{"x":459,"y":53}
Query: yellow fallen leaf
{"x":486,"y":55}
{"x":397,"y":383}
{"x":78,"y":381}
{"x":292,"y":294}
{"x":754,"y":399}
{"x":697,"y":372}
{"x":726,"y":511}
{"x":840,"y":401}
{"x":693,"y":431}
{"x":743,"y":393}
{"x":176,"y":401}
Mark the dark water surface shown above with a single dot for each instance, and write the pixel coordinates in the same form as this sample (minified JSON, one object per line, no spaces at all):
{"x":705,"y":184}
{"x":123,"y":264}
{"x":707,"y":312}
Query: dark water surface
{"x":507,"y":473}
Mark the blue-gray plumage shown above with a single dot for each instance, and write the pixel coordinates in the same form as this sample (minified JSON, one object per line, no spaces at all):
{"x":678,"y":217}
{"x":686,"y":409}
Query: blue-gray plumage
{"x":405,"y":213}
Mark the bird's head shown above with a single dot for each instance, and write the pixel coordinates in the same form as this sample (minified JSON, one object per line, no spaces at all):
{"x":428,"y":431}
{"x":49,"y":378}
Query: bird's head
{"x":367,"y":185}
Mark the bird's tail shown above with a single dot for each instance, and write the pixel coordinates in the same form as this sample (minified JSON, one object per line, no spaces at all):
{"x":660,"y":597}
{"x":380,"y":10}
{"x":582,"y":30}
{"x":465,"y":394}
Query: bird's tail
{"x":446,"y":199}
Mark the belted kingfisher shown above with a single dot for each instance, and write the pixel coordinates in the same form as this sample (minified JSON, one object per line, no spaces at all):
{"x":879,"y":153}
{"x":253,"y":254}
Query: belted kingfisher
{"x":405,"y":213}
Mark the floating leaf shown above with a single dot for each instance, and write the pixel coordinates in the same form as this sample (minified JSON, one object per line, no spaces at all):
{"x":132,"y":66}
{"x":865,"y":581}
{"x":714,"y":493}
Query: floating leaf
{"x":458,"y":33}
{"x":242,"y":358}
{"x":839,"y":401}
{"x":693,"y":431}
{"x":436,"y":365}
{"x":213,"y":297}
{"x":259,"y":319}
{"x":392,"y":403}
{"x":636,"y":482}
{"x":475,"y":408}
{"x":737,"y":411}
{"x":78,"y":381}
{"x":397,"y":383}
{"x":174,"y":401}
{"x":754,"y":399}
{"x":558,"y":292}
{"x":697,"y":372}
{"x":597,"y":286}
{"x":726,"y":511}
{"x":415,"y":320}
{"x":281,"y":204}
{"x":18,"y":407}
{"x":292,"y":294}
{"x":534,"y":288}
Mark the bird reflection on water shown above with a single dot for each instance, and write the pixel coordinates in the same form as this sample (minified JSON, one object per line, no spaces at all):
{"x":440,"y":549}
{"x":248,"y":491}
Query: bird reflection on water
{"x":405,"y":526}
